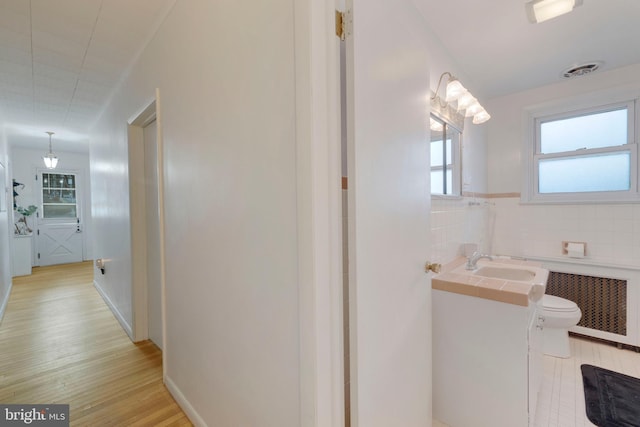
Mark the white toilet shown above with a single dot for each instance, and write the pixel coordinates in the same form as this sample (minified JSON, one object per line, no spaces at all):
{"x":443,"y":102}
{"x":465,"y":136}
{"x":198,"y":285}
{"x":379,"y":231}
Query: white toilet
{"x":559,"y":315}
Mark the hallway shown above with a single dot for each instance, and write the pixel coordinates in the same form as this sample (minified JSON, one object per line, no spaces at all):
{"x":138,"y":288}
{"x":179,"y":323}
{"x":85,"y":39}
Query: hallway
{"x":61,"y":344}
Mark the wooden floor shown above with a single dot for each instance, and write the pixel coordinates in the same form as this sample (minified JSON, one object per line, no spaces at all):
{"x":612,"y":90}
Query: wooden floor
{"x":59,"y":343}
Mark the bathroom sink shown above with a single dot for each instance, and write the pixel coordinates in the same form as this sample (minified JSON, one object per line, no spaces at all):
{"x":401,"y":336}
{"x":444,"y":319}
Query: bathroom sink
{"x":506,"y":271}
{"x":532,"y":277}
{"x":519,"y":274}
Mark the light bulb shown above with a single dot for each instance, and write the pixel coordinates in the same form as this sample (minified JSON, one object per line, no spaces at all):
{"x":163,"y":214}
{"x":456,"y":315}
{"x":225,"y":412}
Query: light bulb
{"x":50,"y":161}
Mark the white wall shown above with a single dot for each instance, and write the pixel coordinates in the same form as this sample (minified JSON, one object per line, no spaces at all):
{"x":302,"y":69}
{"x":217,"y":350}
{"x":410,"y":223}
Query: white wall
{"x":506,"y":126}
{"x":612,"y":232}
{"x":225,"y":71}
{"x":474,"y":156}
{"x":5,"y":249}
{"x":455,"y":221}
{"x":26,"y":163}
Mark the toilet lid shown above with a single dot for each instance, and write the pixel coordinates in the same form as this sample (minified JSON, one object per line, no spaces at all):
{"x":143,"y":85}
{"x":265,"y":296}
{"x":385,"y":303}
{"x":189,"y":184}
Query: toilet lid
{"x":553,"y":303}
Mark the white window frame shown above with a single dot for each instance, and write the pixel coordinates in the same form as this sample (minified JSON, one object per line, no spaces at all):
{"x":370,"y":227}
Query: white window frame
{"x":456,"y":161}
{"x":41,"y":216}
{"x":593,"y":104}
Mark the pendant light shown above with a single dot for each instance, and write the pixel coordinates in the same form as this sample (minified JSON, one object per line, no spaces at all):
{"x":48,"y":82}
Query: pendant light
{"x":50,"y":159}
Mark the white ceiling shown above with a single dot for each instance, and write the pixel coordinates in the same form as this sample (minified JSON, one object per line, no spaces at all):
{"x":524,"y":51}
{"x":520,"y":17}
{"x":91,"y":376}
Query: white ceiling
{"x":59,"y":59}
{"x":494,"y":44}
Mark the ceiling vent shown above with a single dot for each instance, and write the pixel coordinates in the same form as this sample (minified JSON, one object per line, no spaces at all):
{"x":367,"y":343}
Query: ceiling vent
{"x":581,"y":70}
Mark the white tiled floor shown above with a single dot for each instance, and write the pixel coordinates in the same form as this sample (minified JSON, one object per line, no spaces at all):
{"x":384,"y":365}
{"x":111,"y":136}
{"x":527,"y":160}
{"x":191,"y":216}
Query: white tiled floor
{"x":561,"y":400}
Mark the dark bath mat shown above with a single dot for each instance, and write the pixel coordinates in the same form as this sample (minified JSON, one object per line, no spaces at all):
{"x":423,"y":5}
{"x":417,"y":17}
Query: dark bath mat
{"x":612,"y":399}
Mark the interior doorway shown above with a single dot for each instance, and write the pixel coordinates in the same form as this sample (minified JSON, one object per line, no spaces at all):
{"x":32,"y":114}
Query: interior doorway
{"x":147,"y":240}
{"x":154,"y":293}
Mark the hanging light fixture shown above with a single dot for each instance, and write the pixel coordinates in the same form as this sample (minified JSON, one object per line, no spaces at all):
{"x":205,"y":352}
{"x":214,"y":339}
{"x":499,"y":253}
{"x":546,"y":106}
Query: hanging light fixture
{"x":465,"y":103}
{"x":50,"y":159}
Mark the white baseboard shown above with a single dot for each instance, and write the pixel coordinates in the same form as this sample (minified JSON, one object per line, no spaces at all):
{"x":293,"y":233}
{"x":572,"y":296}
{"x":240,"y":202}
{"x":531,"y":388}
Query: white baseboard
{"x":194,"y":417}
{"x":3,"y":304}
{"x":182,"y":401}
{"x":125,"y":325}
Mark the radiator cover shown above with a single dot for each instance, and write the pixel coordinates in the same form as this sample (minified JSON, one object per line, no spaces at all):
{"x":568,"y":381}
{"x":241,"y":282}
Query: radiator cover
{"x":603,"y":301}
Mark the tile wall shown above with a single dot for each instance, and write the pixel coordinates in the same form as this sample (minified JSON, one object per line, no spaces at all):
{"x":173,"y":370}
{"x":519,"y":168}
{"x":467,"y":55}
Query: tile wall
{"x":506,"y":227}
{"x":458,"y":221}
{"x":611,"y":232}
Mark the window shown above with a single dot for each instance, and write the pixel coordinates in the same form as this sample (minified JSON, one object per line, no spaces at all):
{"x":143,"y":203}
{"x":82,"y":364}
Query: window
{"x":445,"y":158}
{"x":584,"y":155}
{"x":59,"y":196}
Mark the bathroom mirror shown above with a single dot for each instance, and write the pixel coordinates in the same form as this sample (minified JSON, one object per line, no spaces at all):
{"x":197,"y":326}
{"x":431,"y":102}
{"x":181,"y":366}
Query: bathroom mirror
{"x":445,"y":157}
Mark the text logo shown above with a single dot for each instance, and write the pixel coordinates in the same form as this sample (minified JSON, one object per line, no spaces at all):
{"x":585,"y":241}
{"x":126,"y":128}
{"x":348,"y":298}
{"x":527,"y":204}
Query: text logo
{"x":34,"y":415}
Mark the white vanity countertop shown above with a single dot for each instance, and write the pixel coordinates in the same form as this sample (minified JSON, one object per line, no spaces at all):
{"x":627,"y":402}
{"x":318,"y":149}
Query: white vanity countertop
{"x":455,"y":279}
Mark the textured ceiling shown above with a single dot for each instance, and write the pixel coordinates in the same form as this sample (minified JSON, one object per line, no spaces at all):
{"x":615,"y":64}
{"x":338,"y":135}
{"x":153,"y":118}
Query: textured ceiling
{"x":495,"y":45}
{"x":59,"y":60}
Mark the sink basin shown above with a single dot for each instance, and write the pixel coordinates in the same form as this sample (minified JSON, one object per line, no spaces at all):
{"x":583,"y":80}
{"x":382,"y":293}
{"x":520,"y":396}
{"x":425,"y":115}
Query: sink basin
{"x":535,"y":278}
{"x":518,"y":274}
{"x":506,"y":271}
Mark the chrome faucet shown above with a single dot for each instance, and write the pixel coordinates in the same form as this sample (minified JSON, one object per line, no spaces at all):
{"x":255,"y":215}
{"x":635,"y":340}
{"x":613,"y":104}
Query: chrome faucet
{"x":473,"y":259}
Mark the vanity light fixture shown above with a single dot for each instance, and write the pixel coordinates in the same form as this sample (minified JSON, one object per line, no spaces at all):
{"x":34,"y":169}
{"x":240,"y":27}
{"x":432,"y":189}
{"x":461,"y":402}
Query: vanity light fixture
{"x":542,"y":10}
{"x":50,"y":159}
{"x":435,"y":125}
{"x":466,"y":103}
{"x":481,"y":117}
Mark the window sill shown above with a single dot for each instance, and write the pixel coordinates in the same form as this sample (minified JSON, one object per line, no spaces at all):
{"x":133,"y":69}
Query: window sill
{"x":593,"y":200}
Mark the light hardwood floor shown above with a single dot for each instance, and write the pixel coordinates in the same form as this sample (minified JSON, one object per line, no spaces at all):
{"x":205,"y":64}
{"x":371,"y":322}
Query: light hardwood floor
{"x":59,"y":343}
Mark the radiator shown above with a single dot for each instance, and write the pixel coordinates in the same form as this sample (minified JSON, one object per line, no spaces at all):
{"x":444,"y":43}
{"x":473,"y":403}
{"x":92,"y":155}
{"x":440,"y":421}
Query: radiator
{"x":603,"y":301}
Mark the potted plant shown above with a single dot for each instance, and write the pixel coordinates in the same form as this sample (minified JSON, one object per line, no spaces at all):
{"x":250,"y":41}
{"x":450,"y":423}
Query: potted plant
{"x":22,"y":226}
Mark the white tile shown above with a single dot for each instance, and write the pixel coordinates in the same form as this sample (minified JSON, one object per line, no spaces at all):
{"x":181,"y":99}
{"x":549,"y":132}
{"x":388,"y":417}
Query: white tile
{"x":561,"y":400}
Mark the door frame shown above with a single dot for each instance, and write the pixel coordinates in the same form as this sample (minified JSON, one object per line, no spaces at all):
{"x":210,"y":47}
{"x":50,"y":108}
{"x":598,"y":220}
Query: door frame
{"x":137,"y":206}
{"x":80,"y":205}
{"x":319,"y":189}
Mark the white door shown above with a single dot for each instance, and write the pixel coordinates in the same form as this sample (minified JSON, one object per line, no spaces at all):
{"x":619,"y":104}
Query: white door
{"x":389,"y":209}
{"x":154,"y":305}
{"x":59,"y":235}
